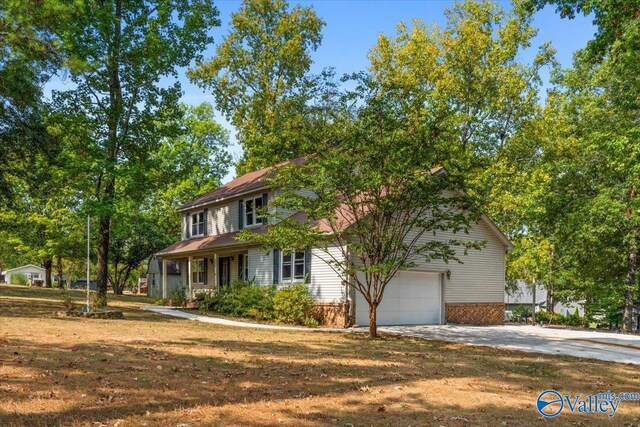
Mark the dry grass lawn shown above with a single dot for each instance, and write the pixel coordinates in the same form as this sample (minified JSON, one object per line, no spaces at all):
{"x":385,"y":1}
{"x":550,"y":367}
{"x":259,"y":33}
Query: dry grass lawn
{"x":151,"y":370}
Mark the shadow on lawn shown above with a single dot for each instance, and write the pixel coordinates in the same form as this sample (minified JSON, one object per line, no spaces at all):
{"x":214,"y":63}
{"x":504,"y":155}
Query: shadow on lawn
{"x":142,"y":377}
{"x":122,"y":381}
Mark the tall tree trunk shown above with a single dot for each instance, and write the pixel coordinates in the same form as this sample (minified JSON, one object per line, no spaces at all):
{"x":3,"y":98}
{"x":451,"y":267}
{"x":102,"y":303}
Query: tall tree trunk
{"x":103,"y":256}
{"x":47,"y":272}
{"x":114,"y":114}
{"x":59,"y":268}
{"x":373,"y":326}
{"x":630,"y":284}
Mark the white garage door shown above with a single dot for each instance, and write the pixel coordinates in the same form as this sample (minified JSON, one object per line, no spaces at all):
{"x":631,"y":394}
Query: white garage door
{"x":411,"y":298}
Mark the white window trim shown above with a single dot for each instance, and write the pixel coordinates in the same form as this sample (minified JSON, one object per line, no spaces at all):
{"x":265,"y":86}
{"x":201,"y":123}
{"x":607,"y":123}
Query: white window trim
{"x":293,"y":278}
{"x":244,"y":274}
{"x":244,"y":214}
{"x":191,"y":215}
{"x":198,"y":272}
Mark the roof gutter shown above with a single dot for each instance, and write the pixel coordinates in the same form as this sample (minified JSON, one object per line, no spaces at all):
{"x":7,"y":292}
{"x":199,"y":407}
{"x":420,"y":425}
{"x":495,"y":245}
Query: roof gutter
{"x":222,"y":199}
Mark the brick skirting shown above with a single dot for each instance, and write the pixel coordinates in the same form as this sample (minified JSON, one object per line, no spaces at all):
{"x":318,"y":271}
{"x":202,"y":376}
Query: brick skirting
{"x":333,"y":314}
{"x":475,"y":314}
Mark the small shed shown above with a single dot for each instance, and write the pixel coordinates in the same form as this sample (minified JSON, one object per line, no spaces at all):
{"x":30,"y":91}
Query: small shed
{"x":154,"y":276}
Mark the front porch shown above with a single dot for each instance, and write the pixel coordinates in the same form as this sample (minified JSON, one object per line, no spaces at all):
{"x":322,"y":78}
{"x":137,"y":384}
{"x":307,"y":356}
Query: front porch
{"x":207,"y":271}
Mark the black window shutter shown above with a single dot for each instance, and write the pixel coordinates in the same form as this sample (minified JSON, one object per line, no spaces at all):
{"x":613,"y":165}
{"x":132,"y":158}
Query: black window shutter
{"x":276,"y":266}
{"x":205,"y":264}
{"x":187,"y":216}
{"x":241,"y":267}
{"x":307,"y":265}
{"x":265,"y":200}
{"x":240,"y":214}
{"x":206,"y":220}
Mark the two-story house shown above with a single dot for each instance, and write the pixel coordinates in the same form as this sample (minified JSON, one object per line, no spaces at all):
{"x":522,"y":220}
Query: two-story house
{"x":434,"y":292}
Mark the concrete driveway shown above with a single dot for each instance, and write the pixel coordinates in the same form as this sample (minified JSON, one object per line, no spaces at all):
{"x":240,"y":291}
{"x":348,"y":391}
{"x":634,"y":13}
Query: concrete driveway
{"x":590,"y":344}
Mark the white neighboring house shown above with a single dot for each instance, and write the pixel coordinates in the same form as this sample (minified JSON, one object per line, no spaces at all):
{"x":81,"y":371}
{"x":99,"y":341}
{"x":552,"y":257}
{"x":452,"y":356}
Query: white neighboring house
{"x":33,"y":273}
{"x":435,"y":292}
{"x":522,"y":296}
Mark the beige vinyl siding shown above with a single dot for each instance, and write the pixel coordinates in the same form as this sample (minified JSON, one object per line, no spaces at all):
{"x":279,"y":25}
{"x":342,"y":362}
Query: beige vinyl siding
{"x":223,"y":218}
{"x":325,"y":284}
{"x":284,"y":213}
{"x":481,"y":277}
{"x":261,"y":266}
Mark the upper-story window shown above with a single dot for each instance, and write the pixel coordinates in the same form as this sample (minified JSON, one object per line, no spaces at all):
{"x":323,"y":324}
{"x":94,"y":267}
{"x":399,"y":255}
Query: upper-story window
{"x":252,"y":215}
{"x":197,"y":224}
{"x":293,"y":266}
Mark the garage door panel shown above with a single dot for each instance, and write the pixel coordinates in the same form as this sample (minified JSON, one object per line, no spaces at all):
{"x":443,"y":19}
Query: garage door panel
{"x":410,"y":298}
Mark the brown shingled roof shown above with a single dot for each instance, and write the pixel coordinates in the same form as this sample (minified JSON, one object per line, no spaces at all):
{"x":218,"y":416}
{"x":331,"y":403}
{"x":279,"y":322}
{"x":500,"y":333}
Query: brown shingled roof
{"x":248,"y":182}
{"x":208,"y":242}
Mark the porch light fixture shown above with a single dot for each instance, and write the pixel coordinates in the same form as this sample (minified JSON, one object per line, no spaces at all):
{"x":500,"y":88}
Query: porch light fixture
{"x":448,"y":273}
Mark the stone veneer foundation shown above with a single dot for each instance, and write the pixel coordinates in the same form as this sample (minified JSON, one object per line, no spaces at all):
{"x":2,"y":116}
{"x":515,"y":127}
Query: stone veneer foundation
{"x":475,"y":313}
{"x":334,"y":314}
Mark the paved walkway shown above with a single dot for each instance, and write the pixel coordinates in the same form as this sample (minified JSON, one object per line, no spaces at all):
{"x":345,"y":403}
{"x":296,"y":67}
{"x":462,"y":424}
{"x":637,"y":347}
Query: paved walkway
{"x":606,"y":346}
{"x":173,"y":311}
{"x":534,"y":339}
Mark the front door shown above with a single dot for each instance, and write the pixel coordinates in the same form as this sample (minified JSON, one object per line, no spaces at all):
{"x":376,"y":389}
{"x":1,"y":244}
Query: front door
{"x":224,"y":271}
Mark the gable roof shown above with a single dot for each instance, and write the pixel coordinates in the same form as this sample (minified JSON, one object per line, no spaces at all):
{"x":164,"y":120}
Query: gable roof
{"x":23,"y":266}
{"x":246,"y":183}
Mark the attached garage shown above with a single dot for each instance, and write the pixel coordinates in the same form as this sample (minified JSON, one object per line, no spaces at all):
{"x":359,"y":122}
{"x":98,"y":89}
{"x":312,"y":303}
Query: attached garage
{"x":411,"y":298}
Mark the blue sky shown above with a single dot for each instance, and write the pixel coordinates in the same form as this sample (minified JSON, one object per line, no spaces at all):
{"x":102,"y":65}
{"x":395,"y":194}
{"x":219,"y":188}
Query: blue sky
{"x":352,"y":28}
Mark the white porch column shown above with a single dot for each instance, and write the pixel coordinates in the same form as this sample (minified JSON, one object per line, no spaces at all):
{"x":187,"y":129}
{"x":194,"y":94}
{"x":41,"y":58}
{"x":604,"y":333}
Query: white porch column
{"x":189,"y":277}
{"x":214,"y":285}
{"x":165,"y":287}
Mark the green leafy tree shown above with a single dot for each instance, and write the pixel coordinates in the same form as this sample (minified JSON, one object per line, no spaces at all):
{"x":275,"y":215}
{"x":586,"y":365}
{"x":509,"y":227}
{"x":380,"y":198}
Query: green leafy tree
{"x":186,"y":166}
{"x":464,"y":84}
{"x":135,"y":237}
{"x":260,"y":81}
{"x":599,"y":100}
{"x":29,"y":54}
{"x":380,"y":217}
{"x":120,"y":50}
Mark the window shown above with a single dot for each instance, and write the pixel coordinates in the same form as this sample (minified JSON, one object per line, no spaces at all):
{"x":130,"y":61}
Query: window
{"x":197,"y":224}
{"x":293,"y":266}
{"x":243,"y":267}
{"x":251,"y":211}
{"x":197,"y":272}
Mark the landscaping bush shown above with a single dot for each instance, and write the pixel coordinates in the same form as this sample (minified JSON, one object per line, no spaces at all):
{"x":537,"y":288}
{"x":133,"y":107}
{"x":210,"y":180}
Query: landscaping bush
{"x":206,"y":300}
{"x":575,"y":319}
{"x":245,"y":300}
{"x":549,"y":318}
{"x":291,"y":304}
{"x":19,"y":279}
{"x":294,"y":304}
{"x":521,"y":313}
{"x":178,"y":297}
{"x":558,"y":319}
